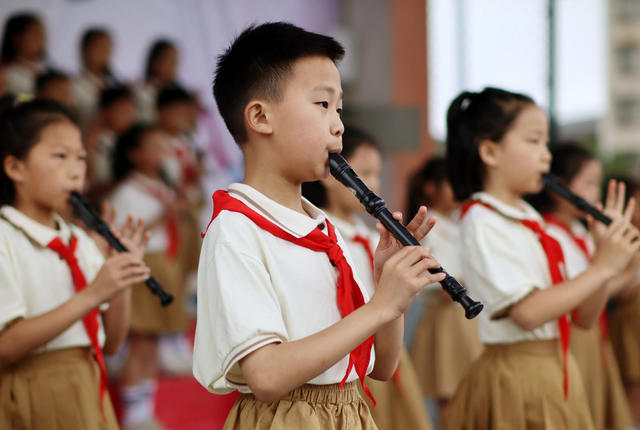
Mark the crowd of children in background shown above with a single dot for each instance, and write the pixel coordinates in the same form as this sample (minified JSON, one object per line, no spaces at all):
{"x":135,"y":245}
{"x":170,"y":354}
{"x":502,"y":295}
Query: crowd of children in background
{"x":151,"y":148}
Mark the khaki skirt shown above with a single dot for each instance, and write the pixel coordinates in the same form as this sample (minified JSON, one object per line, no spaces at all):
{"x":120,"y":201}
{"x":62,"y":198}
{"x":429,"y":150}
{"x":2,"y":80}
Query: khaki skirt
{"x":400,"y":404}
{"x":148,"y":316}
{"x":520,"y":386}
{"x":602,"y":384}
{"x":310,"y":407}
{"x":190,"y":239}
{"x":625,"y":339}
{"x":56,"y":390}
{"x":444,"y":346}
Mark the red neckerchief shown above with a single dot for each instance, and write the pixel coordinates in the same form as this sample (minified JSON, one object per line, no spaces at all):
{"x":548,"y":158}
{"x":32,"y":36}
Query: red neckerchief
{"x":349,"y":296}
{"x":367,"y":247}
{"x":163,"y":195}
{"x":90,"y":320}
{"x":555,"y":258}
{"x":581,"y":243}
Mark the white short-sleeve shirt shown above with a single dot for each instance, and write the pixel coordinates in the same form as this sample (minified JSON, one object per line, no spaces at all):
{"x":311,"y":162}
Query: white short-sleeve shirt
{"x":361,"y":259}
{"x":255,"y":289}
{"x":575,"y":259}
{"x":138,"y":195}
{"x":35,"y":280}
{"x":442,"y":241}
{"x":502,"y":262}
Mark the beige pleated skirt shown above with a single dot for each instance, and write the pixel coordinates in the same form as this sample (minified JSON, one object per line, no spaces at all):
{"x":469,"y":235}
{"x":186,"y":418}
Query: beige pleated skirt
{"x":148,"y":316}
{"x":310,"y":407}
{"x":400,"y":404}
{"x":520,"y":386}
{"x":601,"y":381}
{"x":625,"y":338}
{"x":444,"y":346}
{"x":56,"y":390}
{"x":190,"y":239}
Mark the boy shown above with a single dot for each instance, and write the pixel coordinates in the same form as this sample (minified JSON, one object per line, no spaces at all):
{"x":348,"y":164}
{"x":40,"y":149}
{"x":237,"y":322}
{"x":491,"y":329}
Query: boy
{"x":281,"y":316}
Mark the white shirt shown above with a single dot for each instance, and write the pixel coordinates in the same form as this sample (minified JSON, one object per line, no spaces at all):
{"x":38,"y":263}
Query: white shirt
{"x":255,"y":289}
{"x":575,"y":260}
{"x":140,"y":196}
{"x":503,"y":262}
{"x":361,"y":260}
{"x":86,"y":90}
{"x":442,"y":241}
{"x":35,"y":280}
{"x":20,"y":79}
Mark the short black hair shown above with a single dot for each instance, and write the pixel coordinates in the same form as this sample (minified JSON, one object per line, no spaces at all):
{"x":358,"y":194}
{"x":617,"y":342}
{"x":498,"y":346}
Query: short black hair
{"x":128,"y":141}
{"x":47,"y":77}
{"x":471,"y":118}
{"x":92,"y":33}
{"x":15,"y":26}
{"x":256,"y":64}
{"x":434,"y":171}
{"x":157,"y":49}
{"x":20,"y":128}
{"x":172,"y":94}
{"x":109,"y":96}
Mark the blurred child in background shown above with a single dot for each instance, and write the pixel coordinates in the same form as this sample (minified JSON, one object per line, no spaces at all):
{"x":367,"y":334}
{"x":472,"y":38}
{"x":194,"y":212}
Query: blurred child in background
{"x":116,"y":114}
{"x":399,"y":402}
{"x":160,"y":72}
{"x":96,"y":74}
{"x":23,"y":52}
{"x":445,"y":343}
{"x":576,"y":167}
{"x":55,"y":85}
{"x":139,"y":156}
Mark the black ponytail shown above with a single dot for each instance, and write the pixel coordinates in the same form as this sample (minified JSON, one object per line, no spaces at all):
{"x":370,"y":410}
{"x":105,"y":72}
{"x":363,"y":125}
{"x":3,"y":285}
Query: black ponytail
{"x":471,"y":118}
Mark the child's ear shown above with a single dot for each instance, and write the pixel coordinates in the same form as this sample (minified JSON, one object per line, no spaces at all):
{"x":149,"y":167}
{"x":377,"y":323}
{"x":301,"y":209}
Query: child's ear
{"x":257,"y":117}
{"x":488,"y":152}
{"x":430,"y":190}
{"x":13,"y":168}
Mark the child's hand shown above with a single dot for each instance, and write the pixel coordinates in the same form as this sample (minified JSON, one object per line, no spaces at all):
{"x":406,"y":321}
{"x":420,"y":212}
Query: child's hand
{"x":132,"y":237}
{"x":118,"y":273}
{"x":618,"y":244}
{"x":389,"y":245}
{"x":614,"y":208}
{"x":403,"y":275}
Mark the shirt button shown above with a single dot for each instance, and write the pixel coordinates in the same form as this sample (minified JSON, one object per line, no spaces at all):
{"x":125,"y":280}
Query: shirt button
{"x":321,"y":226}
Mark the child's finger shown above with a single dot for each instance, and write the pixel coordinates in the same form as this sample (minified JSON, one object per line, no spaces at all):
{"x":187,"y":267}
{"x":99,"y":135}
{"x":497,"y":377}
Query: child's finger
{"x":385,"y":236}
{"x":425,"y":228}
{"x":611,"y":197}
{"x":417,"y":220}
{"x":620,"y":197}
{"x":631,"y":206}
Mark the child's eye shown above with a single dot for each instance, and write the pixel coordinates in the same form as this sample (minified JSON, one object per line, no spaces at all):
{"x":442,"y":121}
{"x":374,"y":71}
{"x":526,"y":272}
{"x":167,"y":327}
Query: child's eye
{"x":324,"y":104}
{"x":339,"y":110}
{"x":60,"y":155}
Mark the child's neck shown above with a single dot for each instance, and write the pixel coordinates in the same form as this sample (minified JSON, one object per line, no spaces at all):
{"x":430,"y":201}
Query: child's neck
{"x":149,"y":173}
{"x":564,"y":217}
{"x":340,"y":212}
{"x":503,"y":193}
{"x":36,"y":212}
{"x":278,"y":189}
